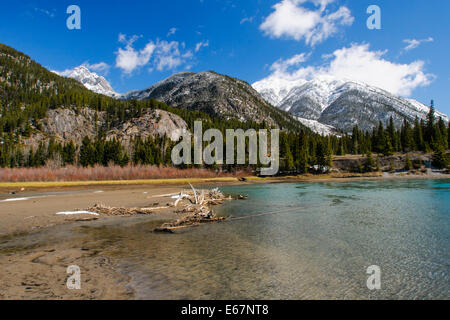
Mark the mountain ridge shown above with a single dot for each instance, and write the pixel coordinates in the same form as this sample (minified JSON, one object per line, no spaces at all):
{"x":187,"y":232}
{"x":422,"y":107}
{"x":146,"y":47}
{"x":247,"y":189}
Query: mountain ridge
{"x":218,"y":95}
{"x":342,"y":104}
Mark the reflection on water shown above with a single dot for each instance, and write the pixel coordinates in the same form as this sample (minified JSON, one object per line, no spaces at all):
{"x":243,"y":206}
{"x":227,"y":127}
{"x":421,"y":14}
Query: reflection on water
{"x":320,"y":250}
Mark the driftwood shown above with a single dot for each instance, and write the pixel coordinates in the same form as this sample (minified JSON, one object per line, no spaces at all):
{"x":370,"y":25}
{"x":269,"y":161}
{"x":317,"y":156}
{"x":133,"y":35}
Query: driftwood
{"x":113,"y":211}
{"x":197,"y":211}
{"x":194,"y":208}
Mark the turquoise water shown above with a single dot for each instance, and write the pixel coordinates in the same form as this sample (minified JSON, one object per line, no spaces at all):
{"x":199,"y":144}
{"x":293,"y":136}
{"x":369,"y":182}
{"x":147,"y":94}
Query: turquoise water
{"x":317,"y":244}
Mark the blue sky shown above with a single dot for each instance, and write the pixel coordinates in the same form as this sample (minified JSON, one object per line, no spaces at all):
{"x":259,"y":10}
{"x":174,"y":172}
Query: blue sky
{"x":137,"y":43}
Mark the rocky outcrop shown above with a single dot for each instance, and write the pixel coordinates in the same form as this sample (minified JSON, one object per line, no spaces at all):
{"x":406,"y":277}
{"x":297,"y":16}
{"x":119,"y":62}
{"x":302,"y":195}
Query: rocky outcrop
{"x":152,"y":123}
{"x":352,"y":163}
{"x":65,"y":124}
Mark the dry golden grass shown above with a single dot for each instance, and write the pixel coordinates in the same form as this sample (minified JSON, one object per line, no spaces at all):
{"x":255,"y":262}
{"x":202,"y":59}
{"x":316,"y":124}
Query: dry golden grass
{"x":57,"y":184}
{"x":115,"y":175}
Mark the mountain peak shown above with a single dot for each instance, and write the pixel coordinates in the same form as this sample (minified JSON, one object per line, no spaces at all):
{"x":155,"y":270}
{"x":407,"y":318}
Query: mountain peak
{"x":340,"y":103}
{"x":90,"y":80}
{"x":218,"y":95}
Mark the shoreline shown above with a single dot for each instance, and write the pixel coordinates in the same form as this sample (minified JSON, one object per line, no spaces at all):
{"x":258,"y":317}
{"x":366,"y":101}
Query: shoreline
{"x":36,"y":245}
{"x":338,"y":177}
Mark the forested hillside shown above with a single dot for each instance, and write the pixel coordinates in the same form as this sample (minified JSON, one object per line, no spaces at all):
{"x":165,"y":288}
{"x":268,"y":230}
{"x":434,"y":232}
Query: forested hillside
{"x":28,"y":92}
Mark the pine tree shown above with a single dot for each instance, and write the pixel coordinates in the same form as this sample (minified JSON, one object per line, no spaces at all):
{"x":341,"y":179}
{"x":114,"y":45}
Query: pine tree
{"x":408,"y":163}
{"x":448,"y":135}
{"x":329,"y":154}
{"x":68,"y":153}
{"x":418,"y":136}
{"x":430,"y":128}
{"x":443,"y":134}
{"x":391,"y":132}
{"x":440,"y":159}
{"x":378,"y":164}
{"x":303,"y":161}
{"x":369,"y":163}
{"x":87,"y":153}
{"x":407,"y":139}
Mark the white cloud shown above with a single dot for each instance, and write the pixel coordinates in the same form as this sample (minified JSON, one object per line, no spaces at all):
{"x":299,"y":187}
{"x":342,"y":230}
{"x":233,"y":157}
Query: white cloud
{"x":172,"y":31}
{"x":414,"y":43}
{"x":160,"y":55}
{"x":356,"y":63}
{"x":128,"y":59}
{"x":282,"y":66}
{"x":167,"y":55}
{"x":247,"y":19}
{"x":46,"y":12}
{"x":100,"y":67}
{"x":199,"y":45}
{"x":292,"y":20}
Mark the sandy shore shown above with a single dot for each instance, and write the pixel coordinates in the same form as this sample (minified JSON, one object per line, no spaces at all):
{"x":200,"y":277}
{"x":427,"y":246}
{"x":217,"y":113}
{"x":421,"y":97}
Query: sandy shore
{"x":37,"y":245}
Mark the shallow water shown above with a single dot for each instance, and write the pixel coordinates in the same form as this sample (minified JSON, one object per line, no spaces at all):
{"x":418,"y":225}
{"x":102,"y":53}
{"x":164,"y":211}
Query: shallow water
{"x":316,"y":244}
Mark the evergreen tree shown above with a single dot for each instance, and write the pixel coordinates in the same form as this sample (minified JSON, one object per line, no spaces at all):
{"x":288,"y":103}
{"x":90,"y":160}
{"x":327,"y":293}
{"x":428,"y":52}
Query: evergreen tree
{"x":87,"y":153}
{"x":369,"y":163}
{"x":443,"y":133}
{"x":68,"y":153}
{"x":430,"y":128}
{"x":448,"y":135}
{"x":440,"y":158}
{"x":408,"y":163}
{"x":418,"y":136}
{"x":407,"y":137}
{"x":378,"y":164}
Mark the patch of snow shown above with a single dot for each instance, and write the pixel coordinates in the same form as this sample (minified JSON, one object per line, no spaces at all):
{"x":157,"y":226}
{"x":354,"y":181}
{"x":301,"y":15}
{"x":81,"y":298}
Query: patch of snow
{"x":69,"y":213}
{"x":15,"y":199}
{"x":21,"y":199}
{"x":317,"y":127}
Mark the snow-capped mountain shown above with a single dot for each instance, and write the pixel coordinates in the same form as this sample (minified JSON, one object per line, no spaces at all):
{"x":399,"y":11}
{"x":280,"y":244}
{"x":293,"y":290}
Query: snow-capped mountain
{"x":341,"y":104}
{"x":90,"y":80}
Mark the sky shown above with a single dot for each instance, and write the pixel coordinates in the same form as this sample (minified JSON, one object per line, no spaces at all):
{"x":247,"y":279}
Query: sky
{"x":135,"y":44}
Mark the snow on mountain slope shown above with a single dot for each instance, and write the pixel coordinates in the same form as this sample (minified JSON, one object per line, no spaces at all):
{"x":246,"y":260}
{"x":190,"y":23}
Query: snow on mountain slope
{"x":90,"y":80}
{"x":317,"y":127}
{"x":274,"y":89}
{"x":342,"y":104}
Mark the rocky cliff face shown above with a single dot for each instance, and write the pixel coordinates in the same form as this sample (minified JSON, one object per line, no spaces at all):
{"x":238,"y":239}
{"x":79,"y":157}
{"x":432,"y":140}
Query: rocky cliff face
{"x":152,"y":123}
{"x":65,"y":124}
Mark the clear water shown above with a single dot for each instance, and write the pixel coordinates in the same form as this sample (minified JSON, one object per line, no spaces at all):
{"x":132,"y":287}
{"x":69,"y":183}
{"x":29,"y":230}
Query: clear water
{"x":320,"y":249}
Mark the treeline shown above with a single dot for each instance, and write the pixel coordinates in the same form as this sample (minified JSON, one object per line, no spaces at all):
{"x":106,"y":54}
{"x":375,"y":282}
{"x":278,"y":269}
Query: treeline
{"x":299,"y":151}
{"x":91,"y":152}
